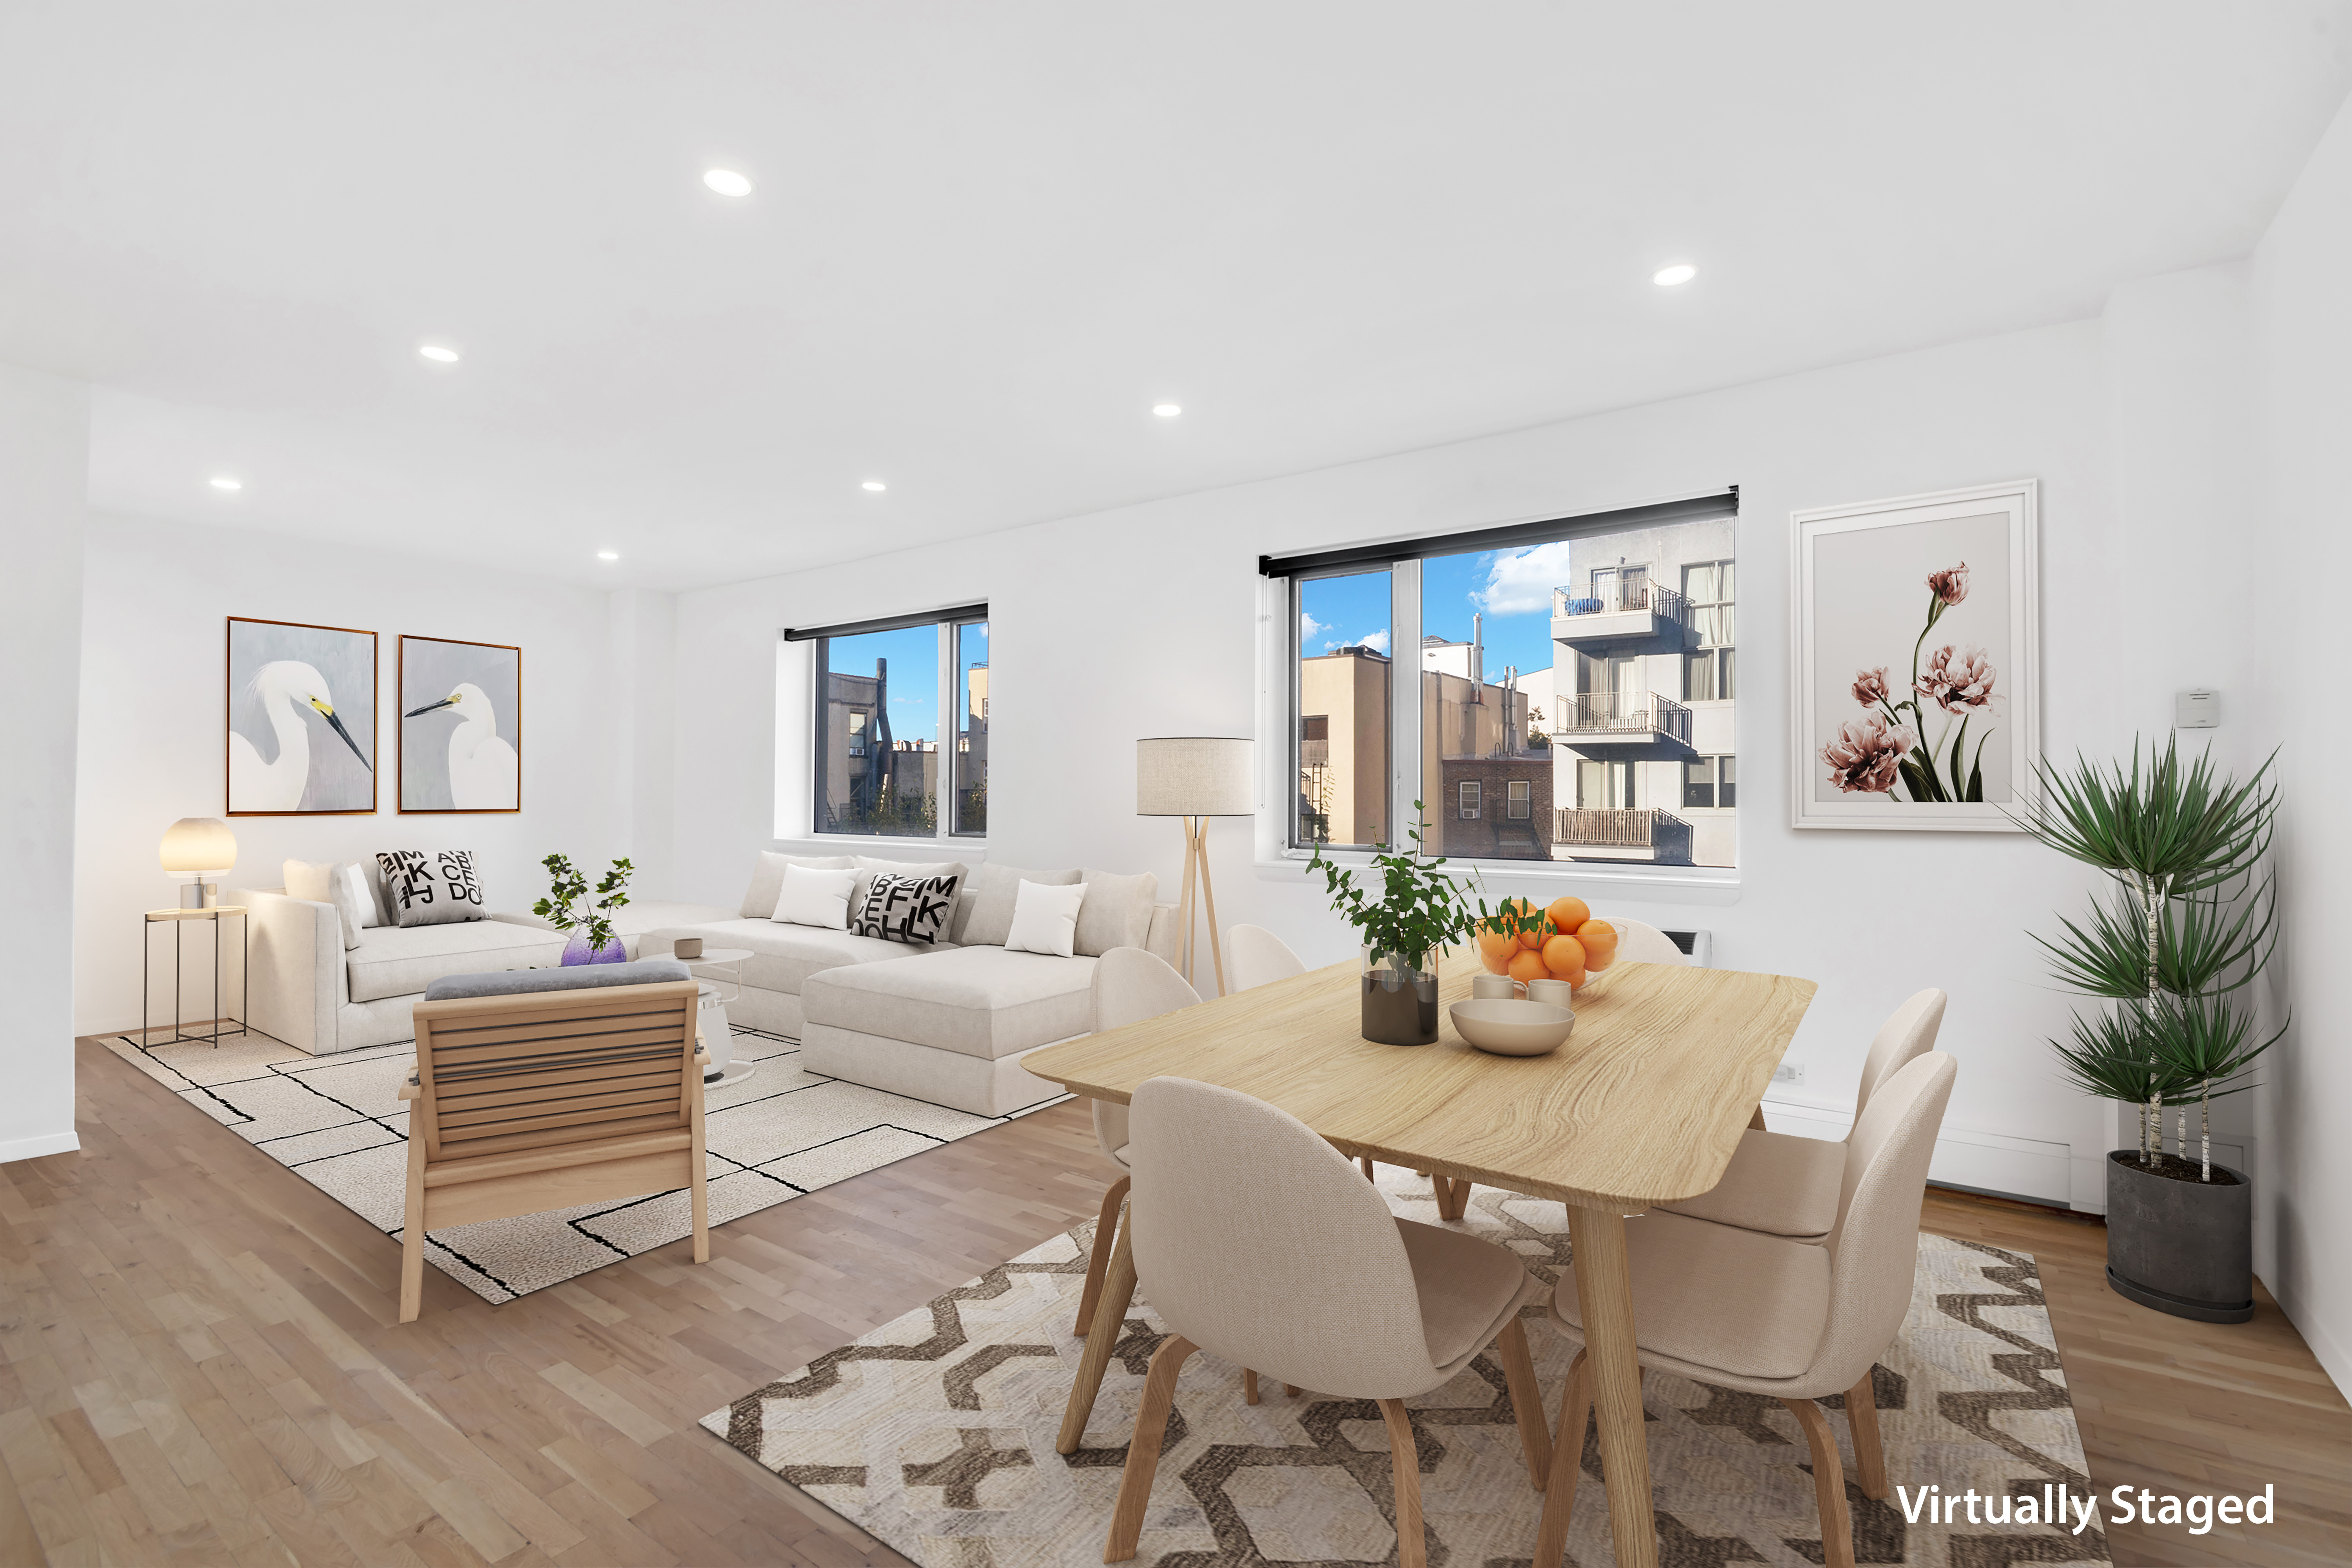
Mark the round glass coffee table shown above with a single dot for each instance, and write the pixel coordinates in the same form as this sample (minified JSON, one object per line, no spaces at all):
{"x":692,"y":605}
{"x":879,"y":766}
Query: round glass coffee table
{"x":717,"y":992}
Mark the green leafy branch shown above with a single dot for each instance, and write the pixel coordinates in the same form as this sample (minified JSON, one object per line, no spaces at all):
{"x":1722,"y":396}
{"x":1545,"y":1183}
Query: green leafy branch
{"x":569,"y":908}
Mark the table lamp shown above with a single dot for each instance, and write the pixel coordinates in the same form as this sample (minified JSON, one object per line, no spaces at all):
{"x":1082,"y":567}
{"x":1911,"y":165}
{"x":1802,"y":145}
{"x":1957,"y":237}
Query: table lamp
{"x":1195,"y":777}
{"x":196,"y":847}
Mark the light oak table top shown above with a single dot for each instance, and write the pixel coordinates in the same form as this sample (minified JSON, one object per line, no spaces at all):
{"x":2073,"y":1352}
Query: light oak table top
{"x":1645,"y":1104}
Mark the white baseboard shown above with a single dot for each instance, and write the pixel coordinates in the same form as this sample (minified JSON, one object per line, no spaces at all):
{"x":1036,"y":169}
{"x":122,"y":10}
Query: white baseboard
{"x":2028,"y":1168}
{"x":65,"y":1142}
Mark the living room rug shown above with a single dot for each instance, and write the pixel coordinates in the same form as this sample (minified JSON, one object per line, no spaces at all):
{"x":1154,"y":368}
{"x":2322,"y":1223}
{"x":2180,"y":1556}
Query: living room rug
{"x":339,"y":1123}
{"x":935,"y":1433}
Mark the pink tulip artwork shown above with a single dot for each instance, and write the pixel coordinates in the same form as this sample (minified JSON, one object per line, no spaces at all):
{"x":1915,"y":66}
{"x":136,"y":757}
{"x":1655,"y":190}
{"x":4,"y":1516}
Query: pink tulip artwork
{"x":1886,"y":750}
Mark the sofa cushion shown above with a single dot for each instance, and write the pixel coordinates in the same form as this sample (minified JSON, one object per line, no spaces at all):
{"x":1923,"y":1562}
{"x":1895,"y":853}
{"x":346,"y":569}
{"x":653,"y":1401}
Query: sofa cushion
{"x":911,"y":910}
{"x":578,"y":977}
{"x":1117,"y":911}
{"x":988,"y":920}
{"x":784,"y":956}
{"x":399,"y":960}
{"x":978,"y":1001}
{"x":433,"y":888}
{"x":767,"y":878}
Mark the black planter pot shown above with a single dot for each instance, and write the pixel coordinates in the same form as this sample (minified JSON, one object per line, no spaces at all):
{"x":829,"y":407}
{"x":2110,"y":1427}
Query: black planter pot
{"x":2182,"y":1248}
{"x":1400,"y":1006}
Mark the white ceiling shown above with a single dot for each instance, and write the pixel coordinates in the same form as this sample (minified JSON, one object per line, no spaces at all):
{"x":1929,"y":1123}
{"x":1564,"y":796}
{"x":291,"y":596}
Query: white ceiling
{"x":986,"y":239}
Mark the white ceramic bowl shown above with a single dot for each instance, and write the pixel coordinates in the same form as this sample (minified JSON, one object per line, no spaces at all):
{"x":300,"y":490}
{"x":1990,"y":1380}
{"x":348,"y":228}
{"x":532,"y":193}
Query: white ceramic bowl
{"x":1513,"y":1028}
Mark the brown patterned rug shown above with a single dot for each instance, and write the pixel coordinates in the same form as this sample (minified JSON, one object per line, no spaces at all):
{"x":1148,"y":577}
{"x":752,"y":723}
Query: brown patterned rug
{"x":935,"y":1433}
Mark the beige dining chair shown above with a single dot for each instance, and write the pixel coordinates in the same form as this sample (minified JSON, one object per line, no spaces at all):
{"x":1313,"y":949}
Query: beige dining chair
{"x":1638,"y":941}
{"x":1129,"y":985}
{"x":1786,"y":1185}
{"x":1255,"y":956}
{"x":1762,"y":1314}
{"x":1322,"y":1287}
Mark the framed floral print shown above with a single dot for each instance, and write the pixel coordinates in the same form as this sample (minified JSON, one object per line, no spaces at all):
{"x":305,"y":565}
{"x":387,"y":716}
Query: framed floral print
{"x":1916,"y":661}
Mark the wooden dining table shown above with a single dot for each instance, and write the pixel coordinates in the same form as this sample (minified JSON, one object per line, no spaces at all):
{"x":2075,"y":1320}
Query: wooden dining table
{"x":1643,"y":1105}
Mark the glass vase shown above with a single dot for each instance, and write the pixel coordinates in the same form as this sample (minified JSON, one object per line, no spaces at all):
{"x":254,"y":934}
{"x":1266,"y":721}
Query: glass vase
{"x":576,"y":951}
{"x":1400,"y":998}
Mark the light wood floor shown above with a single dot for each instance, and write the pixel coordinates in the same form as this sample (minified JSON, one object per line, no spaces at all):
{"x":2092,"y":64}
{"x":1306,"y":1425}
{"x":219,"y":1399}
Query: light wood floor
{"x":198,"y":1363}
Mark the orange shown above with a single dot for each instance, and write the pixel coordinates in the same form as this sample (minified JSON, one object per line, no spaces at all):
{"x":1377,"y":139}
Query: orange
{"x":1568,"y":914}
{"x":1600,"y":939}
{"x":1535,"y":935}
{"x":1527,"y":965}
{"x":1564,"y":956}
{"x":1494,"y":946}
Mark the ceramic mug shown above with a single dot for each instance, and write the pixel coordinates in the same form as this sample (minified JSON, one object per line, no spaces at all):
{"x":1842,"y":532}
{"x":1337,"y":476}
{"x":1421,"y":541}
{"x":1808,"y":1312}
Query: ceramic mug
{"x":687,"y":947}
{"x":1497,"y":986}
{"x":1559,"y":993}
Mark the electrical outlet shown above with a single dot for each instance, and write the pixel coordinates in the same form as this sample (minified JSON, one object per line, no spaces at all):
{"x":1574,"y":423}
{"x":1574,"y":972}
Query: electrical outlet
{"x":1789,"y":1072}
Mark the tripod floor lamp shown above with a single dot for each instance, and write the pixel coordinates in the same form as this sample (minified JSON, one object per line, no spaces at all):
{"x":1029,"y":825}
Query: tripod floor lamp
{"x":1195,"y":777}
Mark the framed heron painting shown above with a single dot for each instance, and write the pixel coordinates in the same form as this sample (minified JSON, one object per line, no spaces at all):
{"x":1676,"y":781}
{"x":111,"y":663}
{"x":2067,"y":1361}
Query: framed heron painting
{"x":1916,"y":661}
{"x":460,"y":726}
{"x":301,"y":720}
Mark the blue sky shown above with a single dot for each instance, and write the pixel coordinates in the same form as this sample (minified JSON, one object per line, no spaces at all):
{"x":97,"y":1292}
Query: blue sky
{"x":914,"y":657}
{"x":1513,"y":588}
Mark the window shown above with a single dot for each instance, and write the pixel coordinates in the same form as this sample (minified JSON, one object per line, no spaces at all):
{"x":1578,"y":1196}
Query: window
{"x":1709,"y":783}
{"x":1552,"y":659}
{"x":887,"y":693}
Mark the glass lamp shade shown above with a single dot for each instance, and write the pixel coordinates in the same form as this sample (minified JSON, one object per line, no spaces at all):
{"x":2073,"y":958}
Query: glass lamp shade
{"x":195,"y":844}
{"x":1194,"y":775}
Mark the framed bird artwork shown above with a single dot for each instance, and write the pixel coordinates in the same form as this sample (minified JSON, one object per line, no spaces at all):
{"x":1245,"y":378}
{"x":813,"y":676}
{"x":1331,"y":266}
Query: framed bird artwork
{"x":301,"y":720}
{"x":460,"y":726}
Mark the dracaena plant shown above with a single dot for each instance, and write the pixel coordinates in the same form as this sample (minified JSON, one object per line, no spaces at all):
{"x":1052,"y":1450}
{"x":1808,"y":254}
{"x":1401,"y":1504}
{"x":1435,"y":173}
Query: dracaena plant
{"x":569,"y":907}
{"x":2193,"y":921}
{"x":1411,"y":907}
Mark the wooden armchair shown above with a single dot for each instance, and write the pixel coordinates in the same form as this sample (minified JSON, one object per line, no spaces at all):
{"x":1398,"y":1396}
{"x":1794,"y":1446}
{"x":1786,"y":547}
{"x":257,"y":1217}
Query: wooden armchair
{"x":548,"y":1099}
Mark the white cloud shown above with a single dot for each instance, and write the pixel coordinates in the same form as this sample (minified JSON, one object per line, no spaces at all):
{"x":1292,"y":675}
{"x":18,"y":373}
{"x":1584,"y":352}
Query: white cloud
{"x":1378,"y":642}
{"x":1520,"y":583}
{"x":916,"y":700}
{"x":1308,"y":626}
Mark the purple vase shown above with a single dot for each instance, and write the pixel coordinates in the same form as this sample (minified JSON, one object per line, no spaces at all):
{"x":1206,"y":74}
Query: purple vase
{"x":576,"y":951}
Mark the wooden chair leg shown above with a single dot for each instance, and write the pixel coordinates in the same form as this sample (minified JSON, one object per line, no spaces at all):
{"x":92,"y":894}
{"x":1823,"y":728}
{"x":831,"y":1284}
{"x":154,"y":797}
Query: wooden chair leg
{"x":1143,"y":1449}
{"x":1869,"y":1454}
{"x":1829,"y":1484}
{"x":1366,"y":1162}
{"x":1291,"y":1389}
{"x":1413,"y":1551}
{"x":699,"y":1166}
{"x":1566,"y":1455}
{"x":1249,"y":1386}
{"x":1098,"y":1261}
{"x":1527,"y":1402}
{"x":412,"y":1231}
{"x":1119,"y":1294}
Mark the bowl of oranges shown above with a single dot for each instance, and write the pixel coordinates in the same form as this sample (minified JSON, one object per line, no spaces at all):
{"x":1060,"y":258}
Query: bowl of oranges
{"x":1560,"y":940}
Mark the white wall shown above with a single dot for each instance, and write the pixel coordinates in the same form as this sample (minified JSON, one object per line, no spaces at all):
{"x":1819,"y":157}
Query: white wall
{"x":153,"y":602}
{"x":1147,"y":621}
{"x":2302,"y":341}
{"x":44,"y":469}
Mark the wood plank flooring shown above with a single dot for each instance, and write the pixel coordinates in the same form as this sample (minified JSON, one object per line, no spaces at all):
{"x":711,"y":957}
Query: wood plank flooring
{"x":199,"y":1363}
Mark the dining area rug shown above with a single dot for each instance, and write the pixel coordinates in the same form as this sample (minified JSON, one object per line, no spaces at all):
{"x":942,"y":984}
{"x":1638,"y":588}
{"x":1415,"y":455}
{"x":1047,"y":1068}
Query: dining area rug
{"x":935,"y":1433}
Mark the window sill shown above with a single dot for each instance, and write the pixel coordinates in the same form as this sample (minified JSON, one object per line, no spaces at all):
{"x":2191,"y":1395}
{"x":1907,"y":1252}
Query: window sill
{"x":1665,"y":884}
{"x":831,"y":843}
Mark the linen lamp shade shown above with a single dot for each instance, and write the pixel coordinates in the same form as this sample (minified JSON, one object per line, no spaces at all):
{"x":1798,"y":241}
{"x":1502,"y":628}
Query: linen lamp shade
{"x":1194,"y":775}
{"x":195,"y":844}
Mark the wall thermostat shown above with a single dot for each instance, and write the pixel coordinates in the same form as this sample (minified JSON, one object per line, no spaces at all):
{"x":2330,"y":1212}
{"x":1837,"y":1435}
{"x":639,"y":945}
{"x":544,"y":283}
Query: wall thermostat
{"x":2196,"y":709}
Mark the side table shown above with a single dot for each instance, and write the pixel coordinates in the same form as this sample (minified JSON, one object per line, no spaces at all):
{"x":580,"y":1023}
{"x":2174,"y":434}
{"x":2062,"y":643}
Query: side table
{"x":178,"y":919}
{"x":725,"y":1069}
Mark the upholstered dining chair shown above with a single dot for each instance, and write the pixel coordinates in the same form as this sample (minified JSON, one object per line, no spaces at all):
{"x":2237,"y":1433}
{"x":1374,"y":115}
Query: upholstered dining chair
{"x":1322,"y":1287}
{"x":1786,"y":1185}
{"x":1638,"y":941}
{"x":1129,"y":985}
{"x":1762,"y":1314}
{"x":1255,"y":956}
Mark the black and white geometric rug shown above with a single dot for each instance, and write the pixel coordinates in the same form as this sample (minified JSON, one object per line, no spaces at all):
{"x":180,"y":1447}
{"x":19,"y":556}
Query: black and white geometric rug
{"x":935,"y":1433}
{"x":339,"y":1123}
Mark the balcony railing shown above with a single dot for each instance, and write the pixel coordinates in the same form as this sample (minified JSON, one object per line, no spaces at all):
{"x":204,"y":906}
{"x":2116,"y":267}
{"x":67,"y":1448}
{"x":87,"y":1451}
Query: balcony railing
{"x":1617,"y":828}
{"x":1619,"y":712}
{"x":1620,"y":598}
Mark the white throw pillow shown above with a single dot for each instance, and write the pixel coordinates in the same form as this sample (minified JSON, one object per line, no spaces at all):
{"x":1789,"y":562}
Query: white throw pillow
{"x":1045,"y":919}
{"x":813,"y":898}
{"x":352,"y":884}
{"x":326,"y":883}
{"x":431,"y":889}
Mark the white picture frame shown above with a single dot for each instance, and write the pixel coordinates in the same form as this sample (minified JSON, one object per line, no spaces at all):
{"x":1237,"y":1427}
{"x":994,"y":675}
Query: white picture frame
{"x":1873,"y":586}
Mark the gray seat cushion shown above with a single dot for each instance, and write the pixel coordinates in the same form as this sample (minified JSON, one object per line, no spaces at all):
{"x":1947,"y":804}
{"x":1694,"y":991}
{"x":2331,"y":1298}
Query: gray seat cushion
{"x":978,"y":1001}
{"x":577,"y":977}
{"x":784,"y":956}
{"x":400,"y":961}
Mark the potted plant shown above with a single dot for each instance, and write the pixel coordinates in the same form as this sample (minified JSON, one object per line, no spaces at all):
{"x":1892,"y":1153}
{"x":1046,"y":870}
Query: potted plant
{"x":2193,"y":921}
{"x":569,"y":907}
{"x":1419,"y":909}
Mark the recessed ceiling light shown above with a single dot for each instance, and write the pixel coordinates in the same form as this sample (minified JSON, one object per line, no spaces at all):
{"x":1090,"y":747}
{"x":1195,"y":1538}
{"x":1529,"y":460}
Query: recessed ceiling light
{"x":223,"y":483}
{"x":1680,"y":272}
{"x":1167,"y":410}
{"x":727,"y":181}
{"x":608,"y":556}
{"x":874,"y":485}
{"x":438,"y":355}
